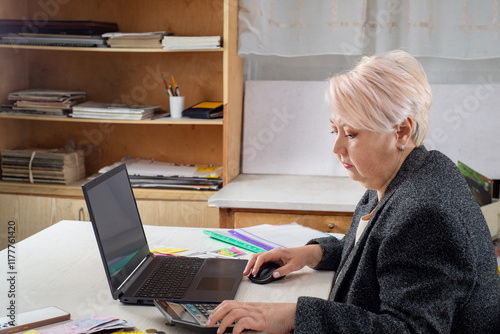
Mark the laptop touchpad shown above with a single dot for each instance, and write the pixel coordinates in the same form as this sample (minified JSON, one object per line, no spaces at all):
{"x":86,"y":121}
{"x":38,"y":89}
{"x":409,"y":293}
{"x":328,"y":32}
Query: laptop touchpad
{"x":216,"y":283}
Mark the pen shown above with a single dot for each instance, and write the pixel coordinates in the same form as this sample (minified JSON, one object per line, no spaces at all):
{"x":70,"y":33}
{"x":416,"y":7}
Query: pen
{"x":175,"y":87}
{"x":170,"y":90}
{"x":167,"y":90}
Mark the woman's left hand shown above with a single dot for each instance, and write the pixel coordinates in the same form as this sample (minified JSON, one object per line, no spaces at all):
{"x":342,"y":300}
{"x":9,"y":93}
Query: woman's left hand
{"x":267,"y":317}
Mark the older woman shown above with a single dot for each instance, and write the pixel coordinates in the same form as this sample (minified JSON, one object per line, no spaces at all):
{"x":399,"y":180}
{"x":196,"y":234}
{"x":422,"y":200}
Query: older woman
{"x":418,"y":257}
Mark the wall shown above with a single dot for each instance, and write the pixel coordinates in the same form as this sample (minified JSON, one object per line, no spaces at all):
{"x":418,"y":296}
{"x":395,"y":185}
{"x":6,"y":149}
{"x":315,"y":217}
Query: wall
{"x":287,"y":130}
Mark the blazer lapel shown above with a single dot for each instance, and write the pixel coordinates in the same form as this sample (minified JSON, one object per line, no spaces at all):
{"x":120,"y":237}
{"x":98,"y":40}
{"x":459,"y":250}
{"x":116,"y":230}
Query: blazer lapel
{"x":350,"y":262}
{"x":353,"y":250}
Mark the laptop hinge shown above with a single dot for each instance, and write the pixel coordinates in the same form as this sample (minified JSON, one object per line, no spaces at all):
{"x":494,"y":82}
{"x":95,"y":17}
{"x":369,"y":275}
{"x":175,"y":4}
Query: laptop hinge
{"x":149,"y":257}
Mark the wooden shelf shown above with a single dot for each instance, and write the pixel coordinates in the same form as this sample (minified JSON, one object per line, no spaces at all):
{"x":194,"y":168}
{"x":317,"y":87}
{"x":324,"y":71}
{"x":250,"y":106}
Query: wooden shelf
{"x":95,"y":49}
{"x":181,"y":121}
{"x":74,"y":190}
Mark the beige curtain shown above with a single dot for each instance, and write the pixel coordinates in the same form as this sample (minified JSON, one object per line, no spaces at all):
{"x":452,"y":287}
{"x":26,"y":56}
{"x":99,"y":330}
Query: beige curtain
{"x":457,"y":29}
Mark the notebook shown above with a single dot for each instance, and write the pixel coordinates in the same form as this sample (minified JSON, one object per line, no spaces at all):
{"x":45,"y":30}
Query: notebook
{"x":128,"y":262}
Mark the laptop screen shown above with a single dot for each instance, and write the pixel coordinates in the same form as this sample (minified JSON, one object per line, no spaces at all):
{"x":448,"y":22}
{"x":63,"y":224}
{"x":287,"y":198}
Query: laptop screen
{"x":117,"y":224}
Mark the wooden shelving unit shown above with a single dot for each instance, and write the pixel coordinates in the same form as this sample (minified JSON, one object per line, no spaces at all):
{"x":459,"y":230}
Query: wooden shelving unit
{"x":92,"y":49}
{"x":163,"y":121}
{"x":128,"y":76}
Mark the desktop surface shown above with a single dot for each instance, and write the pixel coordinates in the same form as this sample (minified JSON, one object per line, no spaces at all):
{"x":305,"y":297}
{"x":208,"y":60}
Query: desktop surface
{"x":60,"y":266}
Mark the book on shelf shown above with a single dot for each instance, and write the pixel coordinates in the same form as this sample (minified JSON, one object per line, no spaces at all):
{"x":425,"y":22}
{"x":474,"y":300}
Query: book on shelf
{"x":135,"y":40}
{"x":480,"y":186}
{"x":149,"y":173}
{"x":53,"y":40}
{"x":54,"y":166}
{"x":205,"y":110}
{"x":42,"y":102}
{"x":62,"y":27}
{"x":101,"y":110}
{"x":191,"y":42}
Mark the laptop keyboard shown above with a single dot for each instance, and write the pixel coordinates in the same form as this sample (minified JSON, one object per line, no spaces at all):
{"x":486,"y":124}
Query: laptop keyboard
{"x":171,"y":278}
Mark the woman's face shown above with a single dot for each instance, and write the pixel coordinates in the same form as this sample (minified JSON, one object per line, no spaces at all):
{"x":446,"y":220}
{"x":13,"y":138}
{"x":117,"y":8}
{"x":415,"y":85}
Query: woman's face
{"x":371,"y":158}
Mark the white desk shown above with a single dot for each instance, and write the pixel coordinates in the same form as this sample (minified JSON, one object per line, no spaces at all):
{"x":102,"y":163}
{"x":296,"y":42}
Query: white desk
{"x":61,"y":266}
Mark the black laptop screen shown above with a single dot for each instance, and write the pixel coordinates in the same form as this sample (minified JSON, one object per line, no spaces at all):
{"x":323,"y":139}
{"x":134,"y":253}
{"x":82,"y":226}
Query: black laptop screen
{"x":117,"y":224}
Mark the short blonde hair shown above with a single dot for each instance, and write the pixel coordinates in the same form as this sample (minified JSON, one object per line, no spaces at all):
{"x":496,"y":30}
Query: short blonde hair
{"x":381,"y":92}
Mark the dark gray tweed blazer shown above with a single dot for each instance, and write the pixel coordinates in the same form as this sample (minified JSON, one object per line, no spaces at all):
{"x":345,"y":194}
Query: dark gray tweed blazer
{"x":425,"y":263}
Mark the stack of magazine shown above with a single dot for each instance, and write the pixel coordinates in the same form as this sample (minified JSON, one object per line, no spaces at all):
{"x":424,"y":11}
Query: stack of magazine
{"x":191,"y":42}
{"x":44,"y":102}
{"x":147,"y":173}
{"x":56,"y":166}
{"x":99,"y":110}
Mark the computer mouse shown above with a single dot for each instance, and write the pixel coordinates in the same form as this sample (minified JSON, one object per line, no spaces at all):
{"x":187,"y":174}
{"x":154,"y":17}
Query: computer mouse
{"x":265,"y":274}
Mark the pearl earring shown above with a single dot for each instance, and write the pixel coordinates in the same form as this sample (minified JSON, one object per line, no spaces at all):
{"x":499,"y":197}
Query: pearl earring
{"x":402,"y":148}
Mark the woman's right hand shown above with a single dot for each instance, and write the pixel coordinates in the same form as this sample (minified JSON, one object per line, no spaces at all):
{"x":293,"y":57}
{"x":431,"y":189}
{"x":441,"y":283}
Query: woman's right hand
{"x":290,"y":259}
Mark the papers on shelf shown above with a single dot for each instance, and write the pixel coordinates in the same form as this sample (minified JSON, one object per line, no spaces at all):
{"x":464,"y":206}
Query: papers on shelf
{"x":272,"y":236}
{"x":99,"y":110}
{"x":134,"y":34}
{"x":55,"y":166}
{"x":155,"y":174}
{"x":51,"y":95}
{"x":135,"y":40}
{"x":191,"y":42}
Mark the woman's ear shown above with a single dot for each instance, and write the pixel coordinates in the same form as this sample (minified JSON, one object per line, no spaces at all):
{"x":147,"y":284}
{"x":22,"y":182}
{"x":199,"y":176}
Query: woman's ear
{"x":404,"y":131}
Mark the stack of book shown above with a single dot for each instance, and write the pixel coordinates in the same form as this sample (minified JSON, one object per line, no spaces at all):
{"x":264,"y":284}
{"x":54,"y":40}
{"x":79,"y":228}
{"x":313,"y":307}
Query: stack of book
{"x":53,"y":40}
{"x":44,"y":102}
{"x":206,"y":110}
{"x":191,"y":42}
{"x":66,"y":33}
{"x":99,"y":110}
{"x":135,"y":40}
{"x":55,"y":166}
{"x":62,"y":27}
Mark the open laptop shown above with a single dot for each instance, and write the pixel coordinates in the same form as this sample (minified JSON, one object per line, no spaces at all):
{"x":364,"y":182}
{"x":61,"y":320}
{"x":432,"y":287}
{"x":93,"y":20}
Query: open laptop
{"x":127,"y":259}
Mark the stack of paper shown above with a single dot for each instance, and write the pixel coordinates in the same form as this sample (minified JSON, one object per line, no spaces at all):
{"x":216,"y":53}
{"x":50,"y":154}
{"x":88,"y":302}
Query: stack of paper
{"x":191,"y":42}
{"x":99,"y":110}
{"x":156,"y":174}
{"x":135,"y":40}
{"x":44,"y":102}
{"x":43,"y":166}
{"x":268,"y":236}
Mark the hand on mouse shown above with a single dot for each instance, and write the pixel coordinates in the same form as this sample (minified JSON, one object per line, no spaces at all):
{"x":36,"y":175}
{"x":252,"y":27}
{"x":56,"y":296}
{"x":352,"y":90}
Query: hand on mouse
{"x":290,"y":259}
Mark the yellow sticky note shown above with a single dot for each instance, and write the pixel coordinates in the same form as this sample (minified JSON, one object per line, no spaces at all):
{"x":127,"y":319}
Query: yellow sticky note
{"x":168,"y":250}
{"x":32,"y":332}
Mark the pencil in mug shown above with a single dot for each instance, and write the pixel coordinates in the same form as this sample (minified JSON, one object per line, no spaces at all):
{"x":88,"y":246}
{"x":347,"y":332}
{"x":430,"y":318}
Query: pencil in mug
{"x":175,"y":87}
{"x":167,"y":90}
